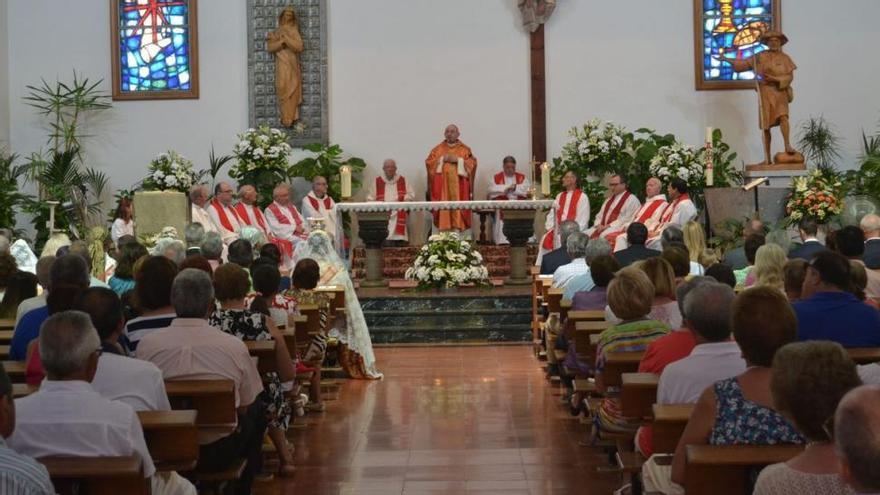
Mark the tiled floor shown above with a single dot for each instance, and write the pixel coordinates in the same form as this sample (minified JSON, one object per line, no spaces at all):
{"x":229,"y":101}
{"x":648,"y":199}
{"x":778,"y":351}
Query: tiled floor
{"x":446,"y":420}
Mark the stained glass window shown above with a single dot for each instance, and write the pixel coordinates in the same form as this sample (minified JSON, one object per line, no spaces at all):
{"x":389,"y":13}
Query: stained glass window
{"x":726,"y":30}
{"x":155,"y":53}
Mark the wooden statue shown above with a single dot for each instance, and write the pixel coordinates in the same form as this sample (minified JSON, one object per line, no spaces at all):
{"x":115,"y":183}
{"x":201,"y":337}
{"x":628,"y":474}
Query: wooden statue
{"x":774,"y":73}
{"x":285,"y":43}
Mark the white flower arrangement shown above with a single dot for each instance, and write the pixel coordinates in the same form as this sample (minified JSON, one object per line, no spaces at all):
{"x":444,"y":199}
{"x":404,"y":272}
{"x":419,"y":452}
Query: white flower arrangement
{"x":678,"y":160}
{"x":447,"y":261}
{"x":597,"y":145}
{"x":260,"y":149}
{"x":170,"y":171}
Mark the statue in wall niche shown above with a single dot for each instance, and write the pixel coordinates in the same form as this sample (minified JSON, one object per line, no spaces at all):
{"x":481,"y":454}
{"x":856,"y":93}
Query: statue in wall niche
{"x":535,"y":12}
{"x":285,"y":44}
{"x":774,"y":72}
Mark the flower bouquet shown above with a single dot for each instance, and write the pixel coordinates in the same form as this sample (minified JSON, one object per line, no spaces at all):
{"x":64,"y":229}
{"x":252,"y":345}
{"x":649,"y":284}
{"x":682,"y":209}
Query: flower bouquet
{"x":814,"y":196}
{"x":597,"y":147}
{"x":678,"y":160}
{"x":447,"y":261}
{"x":170,"y":171}
{"x":261,"y":156}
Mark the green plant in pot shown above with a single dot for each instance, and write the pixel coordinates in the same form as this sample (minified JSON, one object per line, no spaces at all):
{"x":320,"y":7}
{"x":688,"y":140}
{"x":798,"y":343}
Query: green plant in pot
{"x":12,"y":199}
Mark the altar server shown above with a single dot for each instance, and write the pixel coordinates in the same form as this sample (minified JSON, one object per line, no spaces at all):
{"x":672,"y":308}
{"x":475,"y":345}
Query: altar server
{"x":319,"y":204}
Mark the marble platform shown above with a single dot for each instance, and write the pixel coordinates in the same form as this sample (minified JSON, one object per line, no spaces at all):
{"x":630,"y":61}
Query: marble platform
{"x":398,"y":259}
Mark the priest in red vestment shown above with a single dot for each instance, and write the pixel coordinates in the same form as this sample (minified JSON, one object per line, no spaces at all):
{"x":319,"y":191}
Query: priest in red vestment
{"x":284,"y":220}
{"x":648,"y":214}
{"x":250,"y":214}
{"x":223,"y":214}
{"x":571,"y":204}
{"x":319,"y":204}
{"x":393,"y":188}
{"x":507,"y":185}
{"x":451,"y":168}
{"x":617,"y":210}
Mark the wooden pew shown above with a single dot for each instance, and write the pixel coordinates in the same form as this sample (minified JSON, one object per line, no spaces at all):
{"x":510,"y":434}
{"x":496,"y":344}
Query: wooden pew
{"x":668,"y":425}
{"x":723,"y":470}
{"x":16,"y":370}
{"x":564,"y":308}
{"x":6,"y":337}
{"x":22,"y":390}
{"x":214,"y":400}
{"x":554,"y":300}
{"x":172,"y":438}
{"x":638,"y":392}
{"x":264,"y":351}
{"x":97,"y":475}
{"x":4,"y":352}
{"x":591,"y":326}
{"x":864,"y":355}
{"x":311,"y":326}
{"x":586,"y":315}
{"x":338,"y":292}
{"x":7,"y":324}
{"x":619,"y":363}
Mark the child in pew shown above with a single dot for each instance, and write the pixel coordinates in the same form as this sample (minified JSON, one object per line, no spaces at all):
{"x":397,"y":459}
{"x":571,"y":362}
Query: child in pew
{"x":741,"y":410}
{"x":809,"y":380}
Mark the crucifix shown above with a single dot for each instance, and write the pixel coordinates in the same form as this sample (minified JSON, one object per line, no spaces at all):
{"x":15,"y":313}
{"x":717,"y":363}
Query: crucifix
{"x":535,"y":13}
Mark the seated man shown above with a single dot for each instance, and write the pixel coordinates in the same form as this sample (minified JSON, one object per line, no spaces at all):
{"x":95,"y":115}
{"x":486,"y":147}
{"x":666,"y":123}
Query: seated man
{"x":870,"y":225}
{"x":678,"y":212}
{"x":850,"y":242}
{"x":223,"y":214}
{"x":194,"y":234}
{"x":828,"y":311}
{"x":648,"y":214}
{"x":132,"y":381}
{"x":584,"y":281}
{"x":736,"y":257}
{"x":38,"y":301}
{"x":507,"y":185}
{"x":212,"y":249}
{"x":577,"y":250}
{"x":571,"y":204}
{"x":558,"y":257}
{"x":856,"y":429}
{"x":190,"y":349}
{"x":250,"y":215}
{"x":283,"y":218}
{"x":618,"y":210}
{"x":636,"y":236}
{"x":19,"y":474}
{"x":393,"y":188}
{"x":67,"y":417}
{"x":198,"y":198}
{"x":810,"y":245}
{"x":319,"y":204}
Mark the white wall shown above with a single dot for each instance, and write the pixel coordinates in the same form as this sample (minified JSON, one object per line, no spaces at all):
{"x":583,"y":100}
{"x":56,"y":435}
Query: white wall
{"x":4,"y":78}
{"x":400,"y":70}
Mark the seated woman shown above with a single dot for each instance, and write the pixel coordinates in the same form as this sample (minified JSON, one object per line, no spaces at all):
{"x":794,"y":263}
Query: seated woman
{"x":740,"y":410}
{"x":230,"y":287}
{"x":664,"y":308}
{"x":122,"y":280}
{"x":20,"y":286}
{"x":356,"y":348}
{"x":123,"y":220}
{"x":809,"y":380}
{"x":794,"y":273}
{"x":630,"y":295}
{"x":769,"y":267}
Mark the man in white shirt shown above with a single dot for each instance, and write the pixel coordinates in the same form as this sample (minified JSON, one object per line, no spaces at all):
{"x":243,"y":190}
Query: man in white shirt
{"x":393,"y":188}
{"x":43,"y":265}
{"x":135,"y":382}
{"x":619,"y":209}
{"x":647,"y":215}
{"x":678,"y":212}
{"x":716,"y":356}
{"x":283,"y":218}
{"x":577,"y":250}
{"x":67,"y":417}
{"x":870,"y":225}
{"x":198,"y":197}
{"x":222,"y":213}
{"x":507,"y":185}
{"x":319,"y":204}
{"x":571,"y":204}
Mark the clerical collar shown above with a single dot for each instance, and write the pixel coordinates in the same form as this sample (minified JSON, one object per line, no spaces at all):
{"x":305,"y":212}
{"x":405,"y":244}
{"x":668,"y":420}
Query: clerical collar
{"x":656,"y":197}
{"x":391,"y":179}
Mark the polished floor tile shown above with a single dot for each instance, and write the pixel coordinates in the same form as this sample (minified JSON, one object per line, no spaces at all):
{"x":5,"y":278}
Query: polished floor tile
{"x":445,"y":420}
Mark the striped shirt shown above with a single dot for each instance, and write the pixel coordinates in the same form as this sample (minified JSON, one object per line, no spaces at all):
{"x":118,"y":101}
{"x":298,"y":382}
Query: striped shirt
{"x":627,"y":337}
{"x":138,"y":328}
{"x":21,"y":475}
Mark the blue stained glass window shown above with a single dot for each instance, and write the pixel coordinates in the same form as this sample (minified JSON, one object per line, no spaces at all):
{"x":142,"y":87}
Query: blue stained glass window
{"x":731,"y":30}
{"x":154,"y":38}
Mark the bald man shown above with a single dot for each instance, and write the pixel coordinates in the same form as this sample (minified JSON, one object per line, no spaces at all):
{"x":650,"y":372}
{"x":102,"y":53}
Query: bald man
{"x":870,"y":225}
{"x":285,"y":221}
{"x":198,"y":198}
{"x":248,"y":211}
{"x":390,"y":187}
{"x":319,"y":204}
{"x":507,"y":185}
{"x":648,"y":215}
{"x":222,"y":213}
{"x":857,"y":437}
{"x":451,"y":167}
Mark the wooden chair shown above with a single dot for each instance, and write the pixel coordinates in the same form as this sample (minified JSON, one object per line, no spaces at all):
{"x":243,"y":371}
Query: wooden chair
{"x":864,"y":355}
{"x":638,"y":392}
{"x":264,"y":351}
{"x":172,"y":438}
{"x":214,"y":400}
{"x":619,"y":363}
{"x":16,"y":370}
{"x":668,"y":425}
{"x":97,"y":475}
{"x":723,"y":470}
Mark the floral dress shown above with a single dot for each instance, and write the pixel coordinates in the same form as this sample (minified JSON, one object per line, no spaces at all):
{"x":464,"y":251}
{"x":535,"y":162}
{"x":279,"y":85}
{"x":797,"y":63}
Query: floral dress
{"x":741,"y":421}
{"x":249,"y":325}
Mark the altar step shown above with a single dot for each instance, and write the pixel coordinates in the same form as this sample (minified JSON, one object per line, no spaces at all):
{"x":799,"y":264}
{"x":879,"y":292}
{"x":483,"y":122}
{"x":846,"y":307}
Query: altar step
{"x":398,"y":259}
{"x":470,"y":317}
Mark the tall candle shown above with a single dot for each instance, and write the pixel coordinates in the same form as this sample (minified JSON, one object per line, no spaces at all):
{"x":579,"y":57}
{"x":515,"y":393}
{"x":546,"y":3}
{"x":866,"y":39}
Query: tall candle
{"x":709,"y":131}
{"x":710,"y":171}
{"x":545,"y":179}
{"x":345,"y":175}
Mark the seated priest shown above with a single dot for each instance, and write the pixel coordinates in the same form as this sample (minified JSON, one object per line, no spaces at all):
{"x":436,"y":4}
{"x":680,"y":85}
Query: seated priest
{"x":198,"y":198}
{"x":250,"y":215}
{"x":507,"y":185}
{"x":648,"y":215}
{"x":393,"y":188}
{"x":284,"y":220}
{"x":570,"y":204}
{"x":319,"y":204}
{"x":223,"y":213}
{"x":451,"y":167}
{"x":618,"y":210}
{"x":678,"y":212}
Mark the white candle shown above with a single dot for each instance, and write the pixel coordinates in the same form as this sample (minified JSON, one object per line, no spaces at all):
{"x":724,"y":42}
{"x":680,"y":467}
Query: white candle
{"x":545,"y":179}
{"x":710,"y":171}
{"x":709,"y":135}
{"x":345,"y":175}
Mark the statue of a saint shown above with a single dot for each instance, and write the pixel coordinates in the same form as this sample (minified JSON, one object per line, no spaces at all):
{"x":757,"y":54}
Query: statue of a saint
{"x":774,"y":72}
{"x":285,"y":43}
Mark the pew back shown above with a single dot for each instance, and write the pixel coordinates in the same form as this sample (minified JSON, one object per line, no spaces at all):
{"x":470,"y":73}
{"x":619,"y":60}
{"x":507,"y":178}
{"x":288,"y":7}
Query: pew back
{"x":97,"y":475}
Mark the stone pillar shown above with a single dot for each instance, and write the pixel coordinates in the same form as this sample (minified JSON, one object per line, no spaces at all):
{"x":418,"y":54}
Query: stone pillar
{"x":373,"y":230}
{"x":519,"y":225}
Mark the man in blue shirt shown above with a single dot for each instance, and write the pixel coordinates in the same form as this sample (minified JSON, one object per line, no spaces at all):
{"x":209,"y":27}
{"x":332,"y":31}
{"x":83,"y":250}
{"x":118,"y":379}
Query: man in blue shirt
{"x":828,"y":311}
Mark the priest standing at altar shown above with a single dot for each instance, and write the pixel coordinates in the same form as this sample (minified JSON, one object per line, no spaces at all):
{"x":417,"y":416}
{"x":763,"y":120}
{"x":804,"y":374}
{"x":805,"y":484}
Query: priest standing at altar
{"x":223,"y":214}
{"x":451,"y":168}
{"x":648,"y":215}
{"x":284,"y":220}
{"x":571,"y":204}
{"x":678,"y":212}
{"x":393,"y":188}
{"x":619,"y":209}
{"x":507,"y":185}
{"x":319,"y":204}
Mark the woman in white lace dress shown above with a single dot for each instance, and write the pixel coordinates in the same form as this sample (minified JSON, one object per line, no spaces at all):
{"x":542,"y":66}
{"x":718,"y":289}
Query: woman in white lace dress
{"x":356,"y":347}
